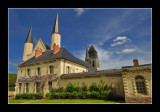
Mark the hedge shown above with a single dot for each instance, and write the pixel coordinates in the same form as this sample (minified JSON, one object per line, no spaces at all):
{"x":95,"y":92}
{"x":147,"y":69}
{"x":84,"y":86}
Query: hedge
{"x":29,"y":96}
{"x":107,"y":95}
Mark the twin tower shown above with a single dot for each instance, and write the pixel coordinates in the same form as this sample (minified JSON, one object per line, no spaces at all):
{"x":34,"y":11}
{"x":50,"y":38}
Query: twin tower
{"x":56,"y":40}
{"x":91,"y":55}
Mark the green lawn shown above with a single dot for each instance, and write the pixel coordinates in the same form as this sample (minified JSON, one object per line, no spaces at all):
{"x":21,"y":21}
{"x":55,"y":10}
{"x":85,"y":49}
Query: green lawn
{"x":61,"y":101}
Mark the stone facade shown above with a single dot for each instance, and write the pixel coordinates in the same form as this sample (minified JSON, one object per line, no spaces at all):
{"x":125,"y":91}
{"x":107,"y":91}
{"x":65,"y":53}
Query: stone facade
{"x":130,"y":88}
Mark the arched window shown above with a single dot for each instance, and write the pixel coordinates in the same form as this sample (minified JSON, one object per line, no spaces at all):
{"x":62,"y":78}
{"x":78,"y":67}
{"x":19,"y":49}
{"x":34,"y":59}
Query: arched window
{"x":140,"y":84}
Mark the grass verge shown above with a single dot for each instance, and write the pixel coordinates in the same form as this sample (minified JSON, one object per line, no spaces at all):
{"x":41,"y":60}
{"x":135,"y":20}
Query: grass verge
{"x":61,"y":101}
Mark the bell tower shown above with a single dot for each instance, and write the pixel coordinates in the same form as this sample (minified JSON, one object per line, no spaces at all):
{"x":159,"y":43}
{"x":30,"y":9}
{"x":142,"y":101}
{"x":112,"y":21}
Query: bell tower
{"x":56,"y":35}
{"x":92,"y":57}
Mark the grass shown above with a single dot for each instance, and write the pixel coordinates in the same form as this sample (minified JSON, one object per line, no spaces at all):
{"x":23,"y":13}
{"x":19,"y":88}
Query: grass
{"x":61,"y":101}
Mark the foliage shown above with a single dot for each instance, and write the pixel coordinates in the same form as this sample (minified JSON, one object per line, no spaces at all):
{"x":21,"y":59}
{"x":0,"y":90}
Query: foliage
{"x":108,"y":95}
{"x":61,"y":89}
{"x":95,"y":94}
{"x":29,"y":96}
{"x":70,"y":87}
{"x":11,"y":88}
{"x":12,"y":79}
{"x":84,"y":87}
{"x":94,"y":87}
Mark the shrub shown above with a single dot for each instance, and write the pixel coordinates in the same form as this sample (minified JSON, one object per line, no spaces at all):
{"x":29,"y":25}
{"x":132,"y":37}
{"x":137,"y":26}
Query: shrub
{"x":73,"y":94}
{"x":95,"y":94}
{"x":84,"y":87}
{"x":70,"y":87}
{"x":77,"y":88}
{"x":108,"y":95}
{"x":67,"y":95}
{"x":29,"y":96}
{"x":83,"y":95}
{"x":94,"y":87}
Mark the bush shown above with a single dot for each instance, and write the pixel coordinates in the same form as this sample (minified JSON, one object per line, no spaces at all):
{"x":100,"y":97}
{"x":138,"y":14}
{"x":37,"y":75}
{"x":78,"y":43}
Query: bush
{"x":95,"y":94}
{"x":94,"y":87}
{"x":108,"y":95}
{"x":29,"y":96}
{"x":67,"y":95}
{"x":74,"y":94}
{"x":61,"y":89}
{"x":84,"y":87}
{"x":83,"y":95}
{"x":70,"y":87}
{"x":77,"y":89}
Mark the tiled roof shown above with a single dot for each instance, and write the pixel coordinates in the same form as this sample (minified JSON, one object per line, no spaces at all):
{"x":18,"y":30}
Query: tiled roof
{"x":62,"y":53}
{"x":96,"y":73}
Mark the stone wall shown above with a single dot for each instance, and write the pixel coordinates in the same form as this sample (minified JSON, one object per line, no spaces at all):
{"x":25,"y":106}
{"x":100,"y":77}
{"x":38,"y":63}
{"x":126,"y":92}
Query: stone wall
{"x":129,"y":83}
{"x":114,"y":79}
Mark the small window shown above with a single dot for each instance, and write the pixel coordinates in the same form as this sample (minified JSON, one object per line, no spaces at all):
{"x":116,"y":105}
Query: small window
{"x":51,"y":69}
{"x":38,"y":71}
{"x":37,"y":87}
{"x":50,"y":86}
{"x":140,"y":84}
{"x":27,"y":87}
{"x":68,"y":70}
{"x":20,"y":86}
{"x":28,"y":72}
{"x":93,"y":63}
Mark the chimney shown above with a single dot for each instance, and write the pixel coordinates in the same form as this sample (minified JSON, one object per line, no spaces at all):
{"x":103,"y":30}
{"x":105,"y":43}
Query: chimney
{"x":38,"y":52}
{"x":135,"y":62}
{"x":56,"y":48}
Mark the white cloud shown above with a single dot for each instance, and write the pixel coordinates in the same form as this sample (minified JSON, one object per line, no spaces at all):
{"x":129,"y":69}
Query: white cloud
{"x":79,"y":11}
{"x":126,"y":51}
{"x":122,"y":40}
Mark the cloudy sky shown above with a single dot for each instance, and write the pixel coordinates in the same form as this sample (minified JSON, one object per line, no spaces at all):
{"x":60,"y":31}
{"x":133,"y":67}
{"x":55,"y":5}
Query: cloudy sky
{"x":118,"y":35}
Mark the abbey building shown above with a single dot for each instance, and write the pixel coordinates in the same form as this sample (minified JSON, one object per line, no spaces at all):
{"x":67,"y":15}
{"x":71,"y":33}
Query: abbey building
{"x":51,"y":66}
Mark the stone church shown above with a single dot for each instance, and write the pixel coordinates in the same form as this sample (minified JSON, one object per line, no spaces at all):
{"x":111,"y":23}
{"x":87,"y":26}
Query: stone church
{"x":52,"y":66}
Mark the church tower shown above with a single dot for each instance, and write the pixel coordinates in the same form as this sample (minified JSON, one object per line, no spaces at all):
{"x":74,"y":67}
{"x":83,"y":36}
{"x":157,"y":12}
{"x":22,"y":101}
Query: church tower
{"x":56,"y":35}
{"x":92,"y":57}
{"x":28,"y":46}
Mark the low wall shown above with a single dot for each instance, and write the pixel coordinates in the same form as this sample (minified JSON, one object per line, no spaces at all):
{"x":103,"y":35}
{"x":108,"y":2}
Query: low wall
{"x":114,"y":79}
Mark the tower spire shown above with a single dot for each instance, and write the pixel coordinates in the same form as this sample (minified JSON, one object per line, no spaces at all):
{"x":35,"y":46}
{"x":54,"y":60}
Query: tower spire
{"x":87,"y":55}
{"x":56,"y":28}
{"x":29,"y":38}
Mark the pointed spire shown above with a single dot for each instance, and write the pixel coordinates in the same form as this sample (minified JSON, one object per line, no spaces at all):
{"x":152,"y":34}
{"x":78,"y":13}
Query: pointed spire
{"x":56,"y":28}
{"x":39,"y":36}
{"x":29,"y":37}
{"x":92,"y":49}
{"x":87,"y":55}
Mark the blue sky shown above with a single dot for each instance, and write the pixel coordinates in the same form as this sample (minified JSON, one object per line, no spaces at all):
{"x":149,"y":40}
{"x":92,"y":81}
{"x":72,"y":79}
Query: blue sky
{"x":118,"y":35}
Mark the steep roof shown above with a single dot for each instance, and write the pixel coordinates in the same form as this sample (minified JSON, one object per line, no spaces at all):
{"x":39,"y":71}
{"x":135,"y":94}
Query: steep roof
{"x":29,"y":36}
{"x":92,"y":49}
{"x":48,"y":47}
{"x":56,"y":28}
{"x":62,"y":53}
